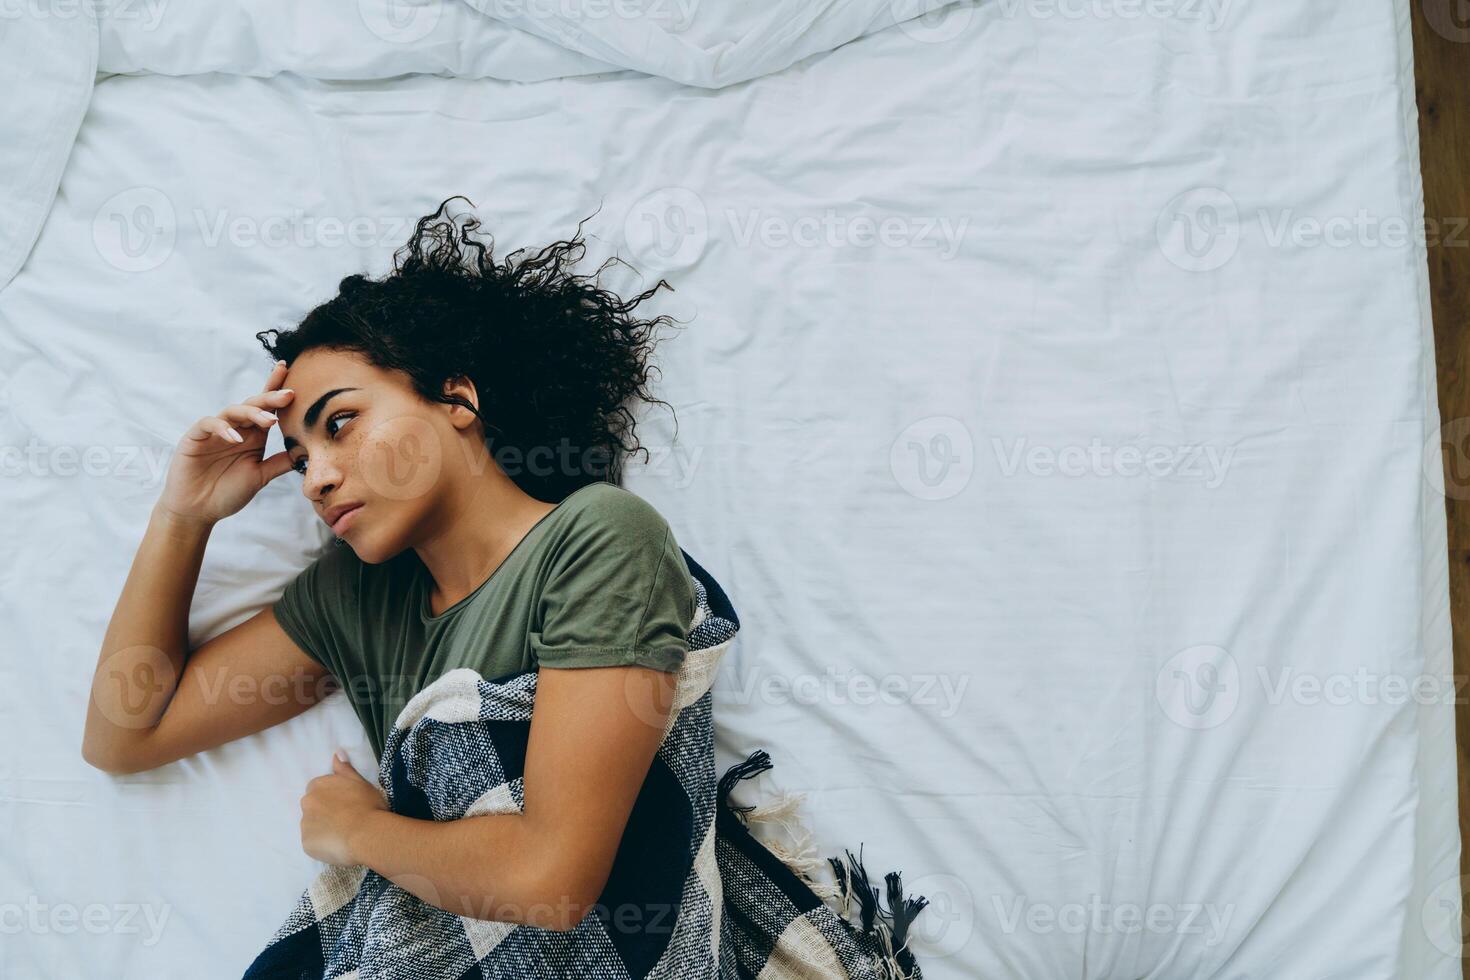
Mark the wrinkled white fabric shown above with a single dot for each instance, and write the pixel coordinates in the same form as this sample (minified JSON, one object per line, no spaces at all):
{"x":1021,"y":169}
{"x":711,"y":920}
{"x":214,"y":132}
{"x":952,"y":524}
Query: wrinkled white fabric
{"x":46,"y":69}
{"x":1055,"y":403}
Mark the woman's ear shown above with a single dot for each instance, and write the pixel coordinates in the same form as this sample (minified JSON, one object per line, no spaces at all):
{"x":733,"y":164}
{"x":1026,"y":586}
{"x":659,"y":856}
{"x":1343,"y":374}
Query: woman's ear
{"x":462,"y":387}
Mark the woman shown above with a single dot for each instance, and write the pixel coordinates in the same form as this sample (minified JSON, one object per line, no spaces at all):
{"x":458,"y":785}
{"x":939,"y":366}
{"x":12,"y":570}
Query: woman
{"x":460,"y":425}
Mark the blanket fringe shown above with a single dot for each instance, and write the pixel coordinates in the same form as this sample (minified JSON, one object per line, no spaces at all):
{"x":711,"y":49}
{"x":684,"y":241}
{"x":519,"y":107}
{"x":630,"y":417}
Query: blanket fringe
{"x":800,"y":855}
{"x":890,"y":925}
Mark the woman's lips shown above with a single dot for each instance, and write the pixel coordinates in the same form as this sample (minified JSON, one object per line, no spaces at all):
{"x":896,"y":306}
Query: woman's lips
{"x":342,"y":523}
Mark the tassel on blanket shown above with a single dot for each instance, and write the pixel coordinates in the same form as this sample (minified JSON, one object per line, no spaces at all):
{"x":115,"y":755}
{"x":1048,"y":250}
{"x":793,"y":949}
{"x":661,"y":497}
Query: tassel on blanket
{"x":801,"y":854}
{"x":902,"y":910}
{"x":890,"y":925}
{"x":758,"y":762}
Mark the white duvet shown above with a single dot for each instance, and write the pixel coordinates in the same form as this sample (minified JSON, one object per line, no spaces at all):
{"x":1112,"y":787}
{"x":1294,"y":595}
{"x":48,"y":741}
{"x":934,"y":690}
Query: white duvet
{"x":1056,"y":405}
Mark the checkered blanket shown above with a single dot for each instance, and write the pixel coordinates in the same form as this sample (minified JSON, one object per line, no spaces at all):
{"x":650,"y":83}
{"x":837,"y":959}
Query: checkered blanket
{"x":693,"y":893}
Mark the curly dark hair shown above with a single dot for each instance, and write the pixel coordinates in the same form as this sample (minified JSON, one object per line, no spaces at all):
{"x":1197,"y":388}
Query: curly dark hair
{"x":555,"y":357}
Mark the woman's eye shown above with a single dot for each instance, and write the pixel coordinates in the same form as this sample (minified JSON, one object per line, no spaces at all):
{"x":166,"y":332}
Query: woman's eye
{"x":333,"y":425}
{"x":343,"y":417}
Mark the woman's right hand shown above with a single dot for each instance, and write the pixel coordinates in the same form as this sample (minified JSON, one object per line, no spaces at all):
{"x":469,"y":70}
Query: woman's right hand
{"x":217,"y":467}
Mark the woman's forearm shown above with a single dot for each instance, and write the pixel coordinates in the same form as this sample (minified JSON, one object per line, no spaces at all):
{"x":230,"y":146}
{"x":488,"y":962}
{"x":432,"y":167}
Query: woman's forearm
{"x":146,"y":643}
{"x":496,"y":867}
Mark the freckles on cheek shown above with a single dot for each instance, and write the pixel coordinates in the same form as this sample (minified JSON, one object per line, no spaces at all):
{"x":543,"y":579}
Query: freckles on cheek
{"x":400,"y":458}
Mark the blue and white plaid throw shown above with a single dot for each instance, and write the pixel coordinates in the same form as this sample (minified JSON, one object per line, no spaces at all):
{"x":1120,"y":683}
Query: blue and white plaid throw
{"x":693,"y":895}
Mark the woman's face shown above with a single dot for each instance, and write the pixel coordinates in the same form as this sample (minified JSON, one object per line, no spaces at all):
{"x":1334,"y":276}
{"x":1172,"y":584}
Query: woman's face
{"x":373,"y":453}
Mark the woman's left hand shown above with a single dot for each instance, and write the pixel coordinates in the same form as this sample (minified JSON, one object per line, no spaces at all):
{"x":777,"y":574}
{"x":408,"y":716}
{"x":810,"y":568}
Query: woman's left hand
{"x":333,"y":811}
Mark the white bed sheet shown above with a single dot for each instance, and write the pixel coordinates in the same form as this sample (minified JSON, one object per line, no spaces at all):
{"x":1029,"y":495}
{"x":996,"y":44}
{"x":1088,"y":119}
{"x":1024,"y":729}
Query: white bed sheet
{"x":912,"y":267}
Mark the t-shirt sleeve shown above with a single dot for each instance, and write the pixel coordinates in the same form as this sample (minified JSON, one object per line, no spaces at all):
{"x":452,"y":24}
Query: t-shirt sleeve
{"x":618,"y":593}
{"x":317,"y":604}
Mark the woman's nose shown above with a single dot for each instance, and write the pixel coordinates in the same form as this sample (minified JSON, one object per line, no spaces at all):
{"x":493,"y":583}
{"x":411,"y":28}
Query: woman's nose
{"x":321,"y":479}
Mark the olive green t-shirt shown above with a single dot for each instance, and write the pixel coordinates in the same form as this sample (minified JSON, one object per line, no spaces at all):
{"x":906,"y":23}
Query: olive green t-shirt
{"x":599,"y":581}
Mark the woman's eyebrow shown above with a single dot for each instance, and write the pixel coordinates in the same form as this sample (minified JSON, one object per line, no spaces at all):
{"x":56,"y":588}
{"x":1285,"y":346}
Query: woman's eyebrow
{"x":312,"y":413}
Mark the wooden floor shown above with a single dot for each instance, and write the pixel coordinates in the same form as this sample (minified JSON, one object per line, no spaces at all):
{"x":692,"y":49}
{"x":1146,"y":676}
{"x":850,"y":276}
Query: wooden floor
{"x":1442,"y":70}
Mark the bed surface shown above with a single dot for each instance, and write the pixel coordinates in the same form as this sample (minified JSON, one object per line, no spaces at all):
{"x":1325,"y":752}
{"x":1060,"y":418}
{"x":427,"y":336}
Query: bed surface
{"x":1070,"y":487}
